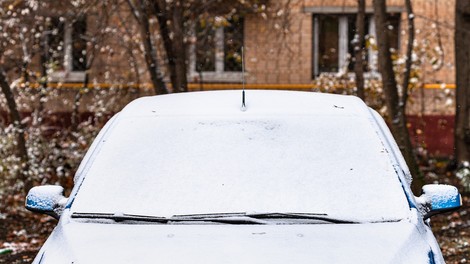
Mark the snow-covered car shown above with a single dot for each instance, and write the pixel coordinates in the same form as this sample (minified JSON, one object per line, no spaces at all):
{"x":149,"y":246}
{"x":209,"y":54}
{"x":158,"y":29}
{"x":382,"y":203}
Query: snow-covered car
{"x":295,"y":177}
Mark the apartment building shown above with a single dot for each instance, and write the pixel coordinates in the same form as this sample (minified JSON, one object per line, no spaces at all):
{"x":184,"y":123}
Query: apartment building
{"x":289,"y":44}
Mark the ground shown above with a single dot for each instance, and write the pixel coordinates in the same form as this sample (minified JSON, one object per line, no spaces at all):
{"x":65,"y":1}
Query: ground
{"x":453,"y":234}
{"x":452,"y":230}
{"x":23,"y":232}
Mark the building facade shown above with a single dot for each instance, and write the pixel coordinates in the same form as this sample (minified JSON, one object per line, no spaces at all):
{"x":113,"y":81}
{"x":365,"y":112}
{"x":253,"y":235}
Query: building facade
{"x":294,"y":43}
{"x":288,"y":44}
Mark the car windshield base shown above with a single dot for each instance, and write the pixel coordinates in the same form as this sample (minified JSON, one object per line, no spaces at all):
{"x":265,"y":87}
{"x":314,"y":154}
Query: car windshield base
{"x":225,"y":218}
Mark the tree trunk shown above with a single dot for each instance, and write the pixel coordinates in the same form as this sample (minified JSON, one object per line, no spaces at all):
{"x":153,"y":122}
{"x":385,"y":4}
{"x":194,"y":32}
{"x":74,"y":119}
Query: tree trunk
{"x":151,"y":58}
{"x":462,"y":77}
{"x":22,"y":151}
{"x":162,"y":16}
{"x":150,"y":50}
{"x":181,"y":84}
{"x":409,"y":53}
{"x":171,"y":23}
{"x":395,"y":108}
{"x":358,"y":48}
{"x":44,"y":58}
{"x":414,"y":167}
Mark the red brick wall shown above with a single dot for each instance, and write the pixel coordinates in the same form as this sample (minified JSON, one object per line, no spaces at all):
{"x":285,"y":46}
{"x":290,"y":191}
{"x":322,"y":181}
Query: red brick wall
{"x":434,"y":132}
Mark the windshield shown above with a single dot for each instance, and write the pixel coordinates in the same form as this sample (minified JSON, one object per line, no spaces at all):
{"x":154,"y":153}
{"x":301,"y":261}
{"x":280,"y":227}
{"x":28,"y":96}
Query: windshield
{"x":181,"y":165}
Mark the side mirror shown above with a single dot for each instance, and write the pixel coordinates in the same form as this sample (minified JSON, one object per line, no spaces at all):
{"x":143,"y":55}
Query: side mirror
{"x":439,"y":198}
{"x":47,"y":199}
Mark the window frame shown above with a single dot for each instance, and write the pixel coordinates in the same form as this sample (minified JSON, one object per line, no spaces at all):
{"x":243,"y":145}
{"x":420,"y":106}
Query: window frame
{"x":219,"y":75}
{"x":342,"y":13}
{"x":68,"y":74}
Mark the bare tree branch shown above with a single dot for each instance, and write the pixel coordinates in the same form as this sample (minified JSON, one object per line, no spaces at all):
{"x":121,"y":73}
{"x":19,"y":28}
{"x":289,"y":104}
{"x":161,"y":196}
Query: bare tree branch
{"x":395,"y":110}
{"x":150,"y":48}
{"x":409,"y":54}
{"x":358,"y":48}
{"x":22,"y":151}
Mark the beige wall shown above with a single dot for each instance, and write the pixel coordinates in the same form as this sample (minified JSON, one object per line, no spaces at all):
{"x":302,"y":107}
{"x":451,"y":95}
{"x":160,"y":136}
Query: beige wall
{"x":279,"y":50}
{"x":276,"y":57}
{"x":434,"y":22}
{"x":279,"y":45}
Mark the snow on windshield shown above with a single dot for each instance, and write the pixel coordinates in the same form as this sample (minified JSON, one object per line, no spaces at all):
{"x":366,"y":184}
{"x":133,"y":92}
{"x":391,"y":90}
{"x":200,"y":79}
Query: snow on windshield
{"x":169,"y":165}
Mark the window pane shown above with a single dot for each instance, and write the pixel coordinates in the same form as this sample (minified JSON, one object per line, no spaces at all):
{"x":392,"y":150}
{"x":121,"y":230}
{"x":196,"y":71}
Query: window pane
{"x":393,"y":29}
{"x":79,"y":45}
{"x":328,"y":43}
{"x":205,"y":46}
{"x":55,"y":41}
{"x":233,"y":36}
{"x":352,"y":31}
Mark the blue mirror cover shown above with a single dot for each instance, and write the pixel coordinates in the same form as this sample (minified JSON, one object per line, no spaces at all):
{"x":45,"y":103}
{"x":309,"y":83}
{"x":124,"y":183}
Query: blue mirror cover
{"x":39,"y":204}
{"x":441,"y":198}
{"x":445,"y":202}
{"x":44,"y":199}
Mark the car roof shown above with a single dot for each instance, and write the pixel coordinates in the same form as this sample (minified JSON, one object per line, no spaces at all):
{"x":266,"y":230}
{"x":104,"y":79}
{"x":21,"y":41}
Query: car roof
{"x":258,"y":102}
{"x":284,"y":147}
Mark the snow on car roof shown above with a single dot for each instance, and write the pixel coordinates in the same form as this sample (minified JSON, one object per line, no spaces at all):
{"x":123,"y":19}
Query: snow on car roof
{"x":257,"y":102}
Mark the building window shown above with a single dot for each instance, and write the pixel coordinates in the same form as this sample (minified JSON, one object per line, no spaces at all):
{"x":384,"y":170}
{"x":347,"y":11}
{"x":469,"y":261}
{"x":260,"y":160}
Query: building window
{"x":233,"y":35}
{"x":78,"y":58}
{"x":66,"y":48}
{"x":206,"y":47}
{"x":216,"y":54}
{"x":55,"y":43}
{"x":333,"y":47}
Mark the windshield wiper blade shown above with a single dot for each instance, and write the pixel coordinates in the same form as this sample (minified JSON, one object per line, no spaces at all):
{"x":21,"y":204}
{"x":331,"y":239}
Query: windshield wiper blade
{"x":226,"y":218}
{"x":217,"y":218}
{"x":261,"y":217}
{"x":118,"y":217}
{"x":305,"y":216}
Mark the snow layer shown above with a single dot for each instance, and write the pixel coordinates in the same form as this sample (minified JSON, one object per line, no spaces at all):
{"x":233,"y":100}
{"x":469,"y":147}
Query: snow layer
{"x":357,"y":243}
{"x":442,"y":196}
{"x":258,"y":102}
{"x":289,"y":152}
{"x":45,"y":197}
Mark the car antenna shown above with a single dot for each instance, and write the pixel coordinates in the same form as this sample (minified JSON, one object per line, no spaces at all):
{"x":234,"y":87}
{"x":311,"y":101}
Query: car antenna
{"x":243,"y":108}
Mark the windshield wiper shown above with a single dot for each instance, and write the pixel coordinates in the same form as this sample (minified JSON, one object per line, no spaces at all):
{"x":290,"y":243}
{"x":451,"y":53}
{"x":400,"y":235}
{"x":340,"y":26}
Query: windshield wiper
{"x":304,"y":216}
{"x":261,"y":217}
{"x":225,"y":218}
{"x":218,"y":218}
{"x":118,"y":217}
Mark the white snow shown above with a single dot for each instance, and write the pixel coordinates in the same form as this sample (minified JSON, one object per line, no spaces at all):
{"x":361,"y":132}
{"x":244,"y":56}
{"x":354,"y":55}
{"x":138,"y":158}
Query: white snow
{"x":258,"y":102}
{"x":357,"y":243}
{"x":289,"y":152}
{"x":440,"y":193}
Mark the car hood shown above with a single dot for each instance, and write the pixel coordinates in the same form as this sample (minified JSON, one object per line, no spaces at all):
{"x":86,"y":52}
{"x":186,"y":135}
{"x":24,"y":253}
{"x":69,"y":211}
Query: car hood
{"x":76,"y":242}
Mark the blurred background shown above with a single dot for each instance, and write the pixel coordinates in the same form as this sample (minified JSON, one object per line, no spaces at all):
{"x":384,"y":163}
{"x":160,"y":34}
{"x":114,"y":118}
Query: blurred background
{"x":67,"y":66}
